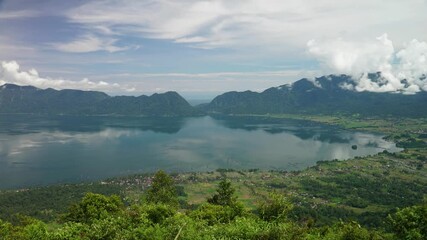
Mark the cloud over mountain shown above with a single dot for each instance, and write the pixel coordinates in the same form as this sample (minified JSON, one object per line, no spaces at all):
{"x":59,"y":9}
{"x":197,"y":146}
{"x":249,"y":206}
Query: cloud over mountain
{"x":402,"y":70}
{"x":10,"y":72}
{"x":101,"y":39}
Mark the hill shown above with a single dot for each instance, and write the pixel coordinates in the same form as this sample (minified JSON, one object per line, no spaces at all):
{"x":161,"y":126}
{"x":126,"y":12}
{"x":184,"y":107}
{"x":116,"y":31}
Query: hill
{"x":325,"y":95}
{"x":28,"y":99}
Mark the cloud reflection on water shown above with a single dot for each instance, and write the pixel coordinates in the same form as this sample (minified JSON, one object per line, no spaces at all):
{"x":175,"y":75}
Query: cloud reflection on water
{"x":104,"y":148}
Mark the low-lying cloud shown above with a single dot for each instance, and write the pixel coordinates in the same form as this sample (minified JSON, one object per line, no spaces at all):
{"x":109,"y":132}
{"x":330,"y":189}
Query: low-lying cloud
{"x":402,"y":70}
{"x":10,"y":72}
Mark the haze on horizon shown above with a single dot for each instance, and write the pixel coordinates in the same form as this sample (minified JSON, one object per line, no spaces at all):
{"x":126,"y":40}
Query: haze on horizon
{"x":204,"y":48}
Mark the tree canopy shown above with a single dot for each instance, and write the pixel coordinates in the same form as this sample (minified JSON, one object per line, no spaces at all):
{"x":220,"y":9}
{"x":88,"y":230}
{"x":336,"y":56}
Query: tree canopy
{"x":103,"y":217}
{"x":162,"y":190}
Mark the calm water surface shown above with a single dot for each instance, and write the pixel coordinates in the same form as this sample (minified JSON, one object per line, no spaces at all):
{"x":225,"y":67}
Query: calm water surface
{"x":38,"y":150}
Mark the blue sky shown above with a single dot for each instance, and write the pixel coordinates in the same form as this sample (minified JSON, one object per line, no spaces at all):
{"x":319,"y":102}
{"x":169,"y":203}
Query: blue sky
{"x":204,"y":48}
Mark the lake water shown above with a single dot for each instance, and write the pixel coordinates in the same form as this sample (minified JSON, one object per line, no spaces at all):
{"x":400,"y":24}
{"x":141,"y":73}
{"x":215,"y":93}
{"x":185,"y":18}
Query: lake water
{"x":38,"y":150}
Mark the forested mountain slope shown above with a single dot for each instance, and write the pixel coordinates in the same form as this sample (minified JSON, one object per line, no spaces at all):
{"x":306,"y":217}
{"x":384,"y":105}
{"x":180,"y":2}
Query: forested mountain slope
{"x":324,"y":95}
{"x":28,"y":99}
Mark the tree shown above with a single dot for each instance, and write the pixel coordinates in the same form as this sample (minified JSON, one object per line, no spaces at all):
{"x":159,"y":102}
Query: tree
{"x":345,"y":231}
{"x":223,"y":204}
{"x":225,"y":194}
{"x":6,"y":230}
{"x":94,"y":207}
{"x":276,"y":207}
{"x":410,"y":223}
{"x":162,"y":190}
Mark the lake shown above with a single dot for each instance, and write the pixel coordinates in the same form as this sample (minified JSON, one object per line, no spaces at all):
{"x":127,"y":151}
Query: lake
{"x":37,"y":150}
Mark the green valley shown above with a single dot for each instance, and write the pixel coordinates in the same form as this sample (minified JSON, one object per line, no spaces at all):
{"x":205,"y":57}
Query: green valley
{"x":366,"y":190}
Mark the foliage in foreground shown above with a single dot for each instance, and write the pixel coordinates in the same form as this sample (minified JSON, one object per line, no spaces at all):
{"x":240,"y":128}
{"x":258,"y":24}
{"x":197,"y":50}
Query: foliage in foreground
{"x":98,"y":216}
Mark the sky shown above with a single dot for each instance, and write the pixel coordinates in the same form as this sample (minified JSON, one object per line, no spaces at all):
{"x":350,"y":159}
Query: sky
{"x":204,"y":48}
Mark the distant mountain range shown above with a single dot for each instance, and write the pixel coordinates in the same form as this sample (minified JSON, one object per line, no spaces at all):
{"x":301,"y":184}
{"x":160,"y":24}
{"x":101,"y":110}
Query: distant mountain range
{"x":324,"y":95}
{"x":28,"y":99}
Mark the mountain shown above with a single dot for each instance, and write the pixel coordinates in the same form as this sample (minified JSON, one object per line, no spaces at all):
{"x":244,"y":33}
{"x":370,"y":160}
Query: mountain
{"x":325,"y":95}
{"x":165,"y":104}
{"x":28,"y":99}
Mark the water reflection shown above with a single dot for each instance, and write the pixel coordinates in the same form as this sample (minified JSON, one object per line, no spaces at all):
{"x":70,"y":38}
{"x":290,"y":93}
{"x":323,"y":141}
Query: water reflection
{"x":24,"y":124}
{"x":303,"y":129}
{"x":37,"y":150}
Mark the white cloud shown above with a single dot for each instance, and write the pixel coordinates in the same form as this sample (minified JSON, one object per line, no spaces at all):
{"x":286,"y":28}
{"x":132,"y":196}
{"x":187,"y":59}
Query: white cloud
{"x":269,"y":32}
{"x":278,"y":24}
{"x":4,"y":15}
{"x":10,"y":73}
{"x":191,"y":40}
{"x":401,"y":70}
{"x":413,"y":63}
{"x":353,"y":57}
{"x":89,"y":43}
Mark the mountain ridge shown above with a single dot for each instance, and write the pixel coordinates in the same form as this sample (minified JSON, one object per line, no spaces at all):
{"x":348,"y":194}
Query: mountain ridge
{"x":29,"y":99}
{"x":330,"y":94}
